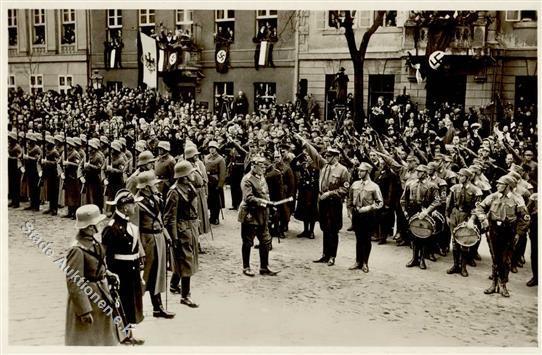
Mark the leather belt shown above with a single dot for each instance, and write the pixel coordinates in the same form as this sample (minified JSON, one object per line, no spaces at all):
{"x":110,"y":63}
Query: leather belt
{"x":126,"y":257}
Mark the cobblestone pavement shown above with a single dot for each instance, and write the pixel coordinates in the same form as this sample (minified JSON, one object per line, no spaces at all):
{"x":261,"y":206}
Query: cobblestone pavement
{"x":307,"y":304}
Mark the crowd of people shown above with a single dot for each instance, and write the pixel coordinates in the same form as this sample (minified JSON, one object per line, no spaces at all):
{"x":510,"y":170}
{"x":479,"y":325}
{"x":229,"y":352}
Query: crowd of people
{"x":437,"y":180}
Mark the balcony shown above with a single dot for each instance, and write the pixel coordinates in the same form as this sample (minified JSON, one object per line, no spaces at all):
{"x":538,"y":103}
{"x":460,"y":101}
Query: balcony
{"x":68,"y":49}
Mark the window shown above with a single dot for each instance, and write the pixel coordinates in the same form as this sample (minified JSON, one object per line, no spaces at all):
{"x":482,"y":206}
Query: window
{"x":12,"y":27}
{"x":184,"y":21}
{"x":336,"y":17}
{"x":36,"y":83}
{"x":265,"y":96}
{"x":223,"y":97}
{"x":114,"y":85}
{"x":267,"y":18}
{"x":225,"y":23}
{"x":516,"y":16}
{"x":68,"y":26}
{"x":114,"y":24}
{"x":380,"y":86}
{"x":38,"y":30}
{"x":146,"y":21}
{"x":65,"y":83}
{"x":389,"y":20}
{"x":11,"y":82}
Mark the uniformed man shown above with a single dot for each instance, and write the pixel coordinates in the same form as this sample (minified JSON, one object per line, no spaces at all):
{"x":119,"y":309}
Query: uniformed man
{"x":334,"y":184}
{"x":363,"y":203}
{"x":191,"y":154}
{"x":32,"y":173}
{"x":288,"y":181}
{"x":216,"y":172}
{"x":164,"y":167}
{"x":420,"y":196}
{"x":145,"y":162}
{"x":254,"y":217}
{"x":128,"y":155}
{"x":124,"y":255}
{"x":505,"y":215}
{"x":460,"y":203}
{"x":86,"y":323}
{"x":532,"y":208}
{"x":154,"y":239}
{"x":181,"y":220}
{"x":440,"y":242}
{"x":50,"y":172}
{"x":115,"y":171}
{"x":92,"y":170}
{"x":72,"y":185}
{"x":60,"y":147}
{"x":236,"y":164}
{"x":14,"y":169}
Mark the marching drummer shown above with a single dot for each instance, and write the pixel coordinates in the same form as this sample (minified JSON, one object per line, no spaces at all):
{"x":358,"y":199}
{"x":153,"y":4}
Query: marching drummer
{"x":507,"y":220}
{"x":420,"y":197}
{"x":460,"y":203}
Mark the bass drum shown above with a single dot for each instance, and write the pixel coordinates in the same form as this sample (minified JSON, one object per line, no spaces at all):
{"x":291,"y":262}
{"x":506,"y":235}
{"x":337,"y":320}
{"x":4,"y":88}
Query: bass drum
{"x":466,"y":236}
{"x":421,"y":228}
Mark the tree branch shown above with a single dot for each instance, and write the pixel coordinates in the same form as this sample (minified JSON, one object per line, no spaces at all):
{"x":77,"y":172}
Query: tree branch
{"x":367,"y":35}
{"x":350,"y":37}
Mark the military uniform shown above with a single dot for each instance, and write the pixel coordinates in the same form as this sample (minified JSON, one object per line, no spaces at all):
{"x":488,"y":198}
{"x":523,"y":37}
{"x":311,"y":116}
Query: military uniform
{"x":389,"y":185}
{"x":254,"y":217}
{"x":123,"y":252}
{"x":32,"y":176}
{"x":508,"y":217}
{"x":154,"y":243}
{"x":50,"y":171}
{"x":236,"y":167}
{"x":181,"y":220}
{"x":72,"y":184}
{"x":200,"y":183}
{"x":216,"y":172}
{"x":364,"y":201}
{"x":87,"y":258}
{"x":164,"y":170}
{"x":288,"y":181}
{"x":335,"y":180}
{"x":14,"y":173}
{"x":459,"y":206}
{"x":115,"y":175}
{"x":93,"y":179}
{"x":419,"y":195}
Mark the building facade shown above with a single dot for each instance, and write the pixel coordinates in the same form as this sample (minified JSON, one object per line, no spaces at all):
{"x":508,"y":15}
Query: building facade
{"x":485,"y":61}
{"x":197,"y":76}
{"x":47,"y":49}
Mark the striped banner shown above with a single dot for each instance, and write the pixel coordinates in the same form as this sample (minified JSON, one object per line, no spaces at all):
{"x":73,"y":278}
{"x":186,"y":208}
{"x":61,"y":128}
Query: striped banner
{"x":264,"y":53}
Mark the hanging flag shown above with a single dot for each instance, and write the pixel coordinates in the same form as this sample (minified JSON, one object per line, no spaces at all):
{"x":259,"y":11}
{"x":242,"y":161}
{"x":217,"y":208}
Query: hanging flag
{"x":264,"y":53}
{"x":161,"y":60}
{"x":149,"y":60}
{"x":173,"y":58}
{"x":112,"y":58}
{"x":221,"y":57}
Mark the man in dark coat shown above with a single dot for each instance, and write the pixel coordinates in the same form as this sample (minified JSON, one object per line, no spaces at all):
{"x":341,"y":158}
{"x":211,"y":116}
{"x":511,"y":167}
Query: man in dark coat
{"x":181,"y":220}
{"x":254,"y":217}
{"x":240,"y":104}
{"x":334,"y":184}
{"x":31,"y":172}
{"x":92,"y":177}
{"x":14,"y":173}
{"x":154,"y":239}
{"x":164,"y":167}
{"x":50,"y":172}
{"x":124,"y":254}
{"x":288,"y":181}
{"x":72,"y":186}
{"x":216,"y":171}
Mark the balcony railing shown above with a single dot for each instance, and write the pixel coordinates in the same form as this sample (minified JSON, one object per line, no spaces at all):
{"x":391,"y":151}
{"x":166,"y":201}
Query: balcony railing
{"x":463,"y":37}
{"x":68,"y":49}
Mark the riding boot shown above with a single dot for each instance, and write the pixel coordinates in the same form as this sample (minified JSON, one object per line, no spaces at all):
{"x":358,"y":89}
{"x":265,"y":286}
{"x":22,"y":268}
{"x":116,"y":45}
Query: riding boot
{"x":493,"y":288}
{"x":245,"y":251}
{"x":503,"y":289}
{"x":464,"y":271}
{"x":455,"y":268}
{"x":414,"y":261}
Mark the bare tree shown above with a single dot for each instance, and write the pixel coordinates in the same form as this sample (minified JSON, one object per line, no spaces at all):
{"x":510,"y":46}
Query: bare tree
{"x":358,"y":58}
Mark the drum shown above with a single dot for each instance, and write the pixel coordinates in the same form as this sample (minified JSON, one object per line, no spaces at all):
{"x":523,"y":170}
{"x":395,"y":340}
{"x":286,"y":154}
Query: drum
{"x":466,"y":236}
{"x":421,"y":228}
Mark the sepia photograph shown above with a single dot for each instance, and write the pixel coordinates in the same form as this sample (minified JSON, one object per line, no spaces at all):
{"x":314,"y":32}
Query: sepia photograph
{"x":276,"y":177}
